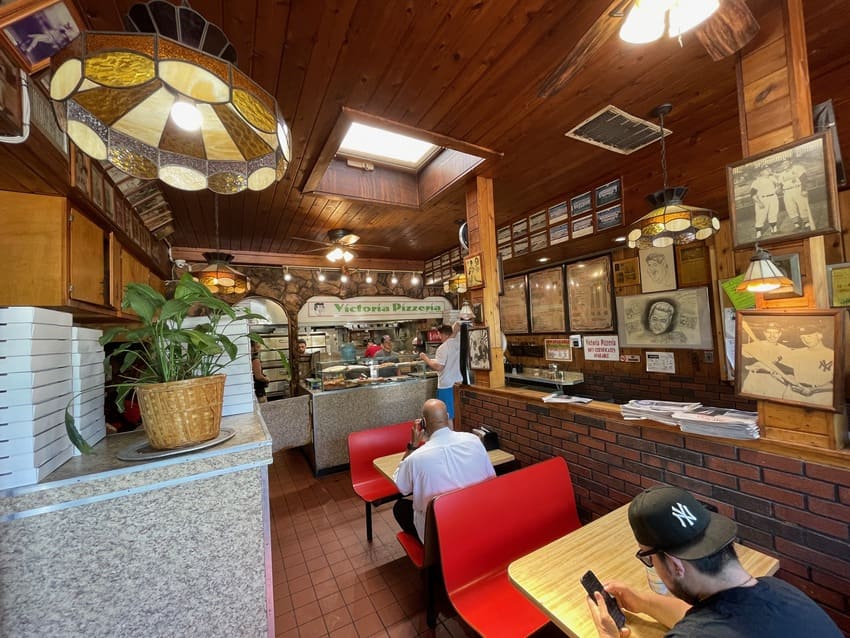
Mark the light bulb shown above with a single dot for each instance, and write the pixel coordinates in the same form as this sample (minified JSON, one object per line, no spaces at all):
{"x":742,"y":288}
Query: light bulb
{"x":644,"y":22}
{"x":335,"y":255}
{"x":186,"y":115}
{"x":343,"y":278}
{"x":347,"y":256}
{"x":321,"y":276}
{"x":369,"y":278}
{"x":286,"y":275}
{"x":393,"y":279}
{"x":414,"y":280}
{"x":686,"y":14}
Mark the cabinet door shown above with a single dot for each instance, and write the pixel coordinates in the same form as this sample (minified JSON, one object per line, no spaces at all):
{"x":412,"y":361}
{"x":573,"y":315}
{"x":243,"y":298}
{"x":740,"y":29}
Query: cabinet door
{"x":132,"y":271}
{"x":89,"y":264}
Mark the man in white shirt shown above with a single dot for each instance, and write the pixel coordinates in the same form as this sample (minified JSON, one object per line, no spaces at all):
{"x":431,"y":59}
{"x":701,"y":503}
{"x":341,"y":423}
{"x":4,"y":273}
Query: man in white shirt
{"x":447,"y":461}
{"x":447,"y":365}
{"x":765,"y":202}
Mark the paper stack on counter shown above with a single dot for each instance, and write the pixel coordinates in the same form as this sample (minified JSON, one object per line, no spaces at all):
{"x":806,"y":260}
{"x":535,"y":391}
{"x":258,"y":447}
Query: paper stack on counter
{"x":557,"y":397}
{"x":721,"y":422}
{"x":660,"y":411}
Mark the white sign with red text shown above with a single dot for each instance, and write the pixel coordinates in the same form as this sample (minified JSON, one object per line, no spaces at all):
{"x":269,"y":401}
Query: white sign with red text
{"x":602,"y":348}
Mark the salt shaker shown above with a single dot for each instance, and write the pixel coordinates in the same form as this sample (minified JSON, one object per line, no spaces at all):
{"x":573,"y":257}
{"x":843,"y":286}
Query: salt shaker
{"x":655,"y":583}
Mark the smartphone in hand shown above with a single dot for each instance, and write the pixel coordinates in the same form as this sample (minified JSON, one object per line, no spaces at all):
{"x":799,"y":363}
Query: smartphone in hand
{"x":591,"y":584}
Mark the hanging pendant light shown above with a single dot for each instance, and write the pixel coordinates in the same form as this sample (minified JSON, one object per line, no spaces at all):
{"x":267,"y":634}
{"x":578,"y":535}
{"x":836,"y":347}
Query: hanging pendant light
{"x":219,"y":276}
{"x":763,"y":275}
{"x":670,"y":221}
{"x":647,"y":19}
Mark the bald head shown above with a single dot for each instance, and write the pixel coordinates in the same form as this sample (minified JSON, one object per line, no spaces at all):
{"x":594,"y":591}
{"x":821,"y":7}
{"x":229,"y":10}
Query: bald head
{"x":435,"y":414}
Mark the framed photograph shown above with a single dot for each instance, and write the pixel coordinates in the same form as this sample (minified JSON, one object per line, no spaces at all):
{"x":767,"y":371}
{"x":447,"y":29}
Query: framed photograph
{"x":675,"y":319}
{"x":788,"y":192}
{"x":557,"y":350}
{"x":559,"y":233}
{"x":513,"y":306}
{"x":608,"y":193}
{"x":838,"y":276}
{"x":589,"y":298}
{"x":692,"y":265}
{"x":537,"y":222}
{"x":473,"y":271}
{"x":503,"y":235}
{"x":546,"y":300}
{"x":520,"y":246}
{"x":97,"y":181}
{"x":539,"y":241}
{"x":478,"y":313}
{"x":37,"y":30}
{"x":108,"y":199}
{"x":479,"y":349}
{"x":580,"y":204}
{"x":519,"y":228}
{"x":582,"y":226}
{"x":558,"y":213}
{"x":657,"y":269}
{"x":611,"y":217}
{"x":80,"y":170}
{"x":11,"y":104}
{"x":791,"y":357}
{"x":506,"y":251}
{"x":626,"y":272}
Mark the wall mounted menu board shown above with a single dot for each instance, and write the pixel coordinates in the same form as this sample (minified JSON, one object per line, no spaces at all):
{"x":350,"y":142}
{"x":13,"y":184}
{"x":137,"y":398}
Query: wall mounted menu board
{"x":546,"y":300}
{"x":589,"y":293}
{"x":513,"y":306}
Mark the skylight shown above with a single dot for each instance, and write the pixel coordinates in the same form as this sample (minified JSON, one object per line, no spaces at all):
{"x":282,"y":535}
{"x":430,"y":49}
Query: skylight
{"x":371,"y":143}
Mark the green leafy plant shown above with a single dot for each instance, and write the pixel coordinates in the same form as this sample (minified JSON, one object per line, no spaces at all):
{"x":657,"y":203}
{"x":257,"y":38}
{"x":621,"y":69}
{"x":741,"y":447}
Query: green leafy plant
{"x":165,"y":347}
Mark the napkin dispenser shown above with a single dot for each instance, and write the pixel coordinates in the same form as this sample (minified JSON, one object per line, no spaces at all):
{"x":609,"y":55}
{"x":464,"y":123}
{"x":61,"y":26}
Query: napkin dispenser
{"x":489,"y":439}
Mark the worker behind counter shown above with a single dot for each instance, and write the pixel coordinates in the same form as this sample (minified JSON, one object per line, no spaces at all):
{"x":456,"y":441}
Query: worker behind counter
{"x":386,"y":354}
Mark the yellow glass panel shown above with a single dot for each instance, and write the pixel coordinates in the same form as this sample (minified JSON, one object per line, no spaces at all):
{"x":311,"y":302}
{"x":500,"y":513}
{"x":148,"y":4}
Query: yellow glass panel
{"x":119,"y":68}
{"x":227,"y":183}
{"x":171,"y":50}
{"x":146,"y":121}
{"x":110,"y":105}
{"x":132,"y":163}
{"x":183,"y":177}
{"x":88,"y":141}
{"x":65,"y":79}
{"x":261,"y":178}
{"x":142,"y":43}
{"x":253,"y":110}
{"x":193,"y":81}
{"x":250,"y":145}
{"x":217,"y":140}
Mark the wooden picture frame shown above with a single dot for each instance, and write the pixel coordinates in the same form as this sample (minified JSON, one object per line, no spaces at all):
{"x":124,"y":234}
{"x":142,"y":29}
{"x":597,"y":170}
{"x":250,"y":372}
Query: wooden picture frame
{"x":479,"y":349}
{"x":589,"y":295}
{"x":33,"y":31}
{"x":11,"y":98}
{"x":657,"y":269}
{"x":838,"y":278}
{"x":794,"y":357}
{"x":581,"y":204}
{"x":108,"y":199}
{"x":673,"y":319}
{"x":608,"y":193}
{"x":692,"y":265}
{"x":786,"y":193}
{"x":98,"y":181}
{"x":557,"y":350}
{"x":473,"y":269}
{"x":513,"y":306}
{"x":81,"y":171}
{"x":546,"y":300}
{"x":626,"y":272}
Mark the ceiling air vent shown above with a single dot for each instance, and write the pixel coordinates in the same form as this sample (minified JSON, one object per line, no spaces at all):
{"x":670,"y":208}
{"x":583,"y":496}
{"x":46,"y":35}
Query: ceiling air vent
{"x":616,"y":131}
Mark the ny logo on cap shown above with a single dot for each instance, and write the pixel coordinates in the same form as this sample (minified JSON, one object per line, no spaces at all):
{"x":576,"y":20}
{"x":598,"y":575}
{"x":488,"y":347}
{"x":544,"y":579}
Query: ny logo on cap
{"x":683,"y":515}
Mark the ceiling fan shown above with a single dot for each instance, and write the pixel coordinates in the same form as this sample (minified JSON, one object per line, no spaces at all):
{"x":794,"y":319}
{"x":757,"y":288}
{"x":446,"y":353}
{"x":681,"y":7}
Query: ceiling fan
{"x":340,"y":241}
{"x":728,"y":30}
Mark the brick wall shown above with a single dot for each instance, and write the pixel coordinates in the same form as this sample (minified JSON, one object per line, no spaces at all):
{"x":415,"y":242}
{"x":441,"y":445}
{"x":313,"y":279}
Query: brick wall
{"x":796,"y":510}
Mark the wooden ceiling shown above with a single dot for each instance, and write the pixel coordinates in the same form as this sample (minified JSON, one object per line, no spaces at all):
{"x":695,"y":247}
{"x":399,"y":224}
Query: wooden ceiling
{"x":470,"y":70}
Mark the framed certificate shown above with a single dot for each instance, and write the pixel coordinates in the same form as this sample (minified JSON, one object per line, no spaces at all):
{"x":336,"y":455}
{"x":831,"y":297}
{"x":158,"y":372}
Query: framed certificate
{"x":546,"y":300}
{"x":513,"y":306}
{"x":589,"y":294}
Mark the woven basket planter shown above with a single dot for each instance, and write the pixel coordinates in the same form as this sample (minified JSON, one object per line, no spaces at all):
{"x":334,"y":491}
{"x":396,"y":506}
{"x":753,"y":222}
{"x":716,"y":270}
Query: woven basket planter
{"x":180,"y":413}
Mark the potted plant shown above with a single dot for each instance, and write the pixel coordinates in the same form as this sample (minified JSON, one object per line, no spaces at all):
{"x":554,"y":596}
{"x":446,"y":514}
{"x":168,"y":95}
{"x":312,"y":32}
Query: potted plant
{"x":171,"y":364}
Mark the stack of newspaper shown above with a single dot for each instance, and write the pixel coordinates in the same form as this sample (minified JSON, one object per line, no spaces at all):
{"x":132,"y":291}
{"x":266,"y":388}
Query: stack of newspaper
{"x":660,"y":411}
{"x":722,"y":422}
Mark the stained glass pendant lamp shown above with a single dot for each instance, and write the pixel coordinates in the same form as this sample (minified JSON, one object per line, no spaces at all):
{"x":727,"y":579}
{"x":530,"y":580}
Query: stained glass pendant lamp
{"x":670,"y":221}
{"x":167,"y":101}
{"x":218,"y":275}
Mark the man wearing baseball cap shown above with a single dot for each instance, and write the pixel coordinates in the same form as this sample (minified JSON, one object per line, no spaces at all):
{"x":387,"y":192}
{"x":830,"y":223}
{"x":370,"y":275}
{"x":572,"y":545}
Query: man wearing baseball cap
{"x":692,"y":552}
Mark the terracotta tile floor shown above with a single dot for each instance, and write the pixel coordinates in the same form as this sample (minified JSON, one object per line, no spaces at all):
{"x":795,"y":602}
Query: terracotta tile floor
{"x":328,"y":581}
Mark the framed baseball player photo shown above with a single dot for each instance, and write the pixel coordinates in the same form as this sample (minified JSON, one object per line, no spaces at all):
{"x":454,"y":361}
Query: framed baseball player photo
{"x":791,"y":357}
{"x":786,"y":193}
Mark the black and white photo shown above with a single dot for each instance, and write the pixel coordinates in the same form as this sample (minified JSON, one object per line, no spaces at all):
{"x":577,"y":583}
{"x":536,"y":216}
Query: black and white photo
{"x":580,"y":204}
{"x":608,"y":193}
{"x":788,"y":192}
{"x":479,"y":349}
{"x":40,"y":34}
{"x":657,"y":269}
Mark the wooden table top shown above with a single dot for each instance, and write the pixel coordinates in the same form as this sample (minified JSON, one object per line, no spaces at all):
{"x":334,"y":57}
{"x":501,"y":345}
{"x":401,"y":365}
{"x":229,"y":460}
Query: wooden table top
{"x":549,"y":576}
{"x":387,"y":465}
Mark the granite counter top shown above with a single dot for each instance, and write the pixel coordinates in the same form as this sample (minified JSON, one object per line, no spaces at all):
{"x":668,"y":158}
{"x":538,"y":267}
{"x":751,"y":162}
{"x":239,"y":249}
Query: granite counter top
{"x":101,"y":475}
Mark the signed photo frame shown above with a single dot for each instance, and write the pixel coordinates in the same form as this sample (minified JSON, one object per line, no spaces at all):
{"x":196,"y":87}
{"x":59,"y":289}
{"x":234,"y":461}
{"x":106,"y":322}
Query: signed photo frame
{"x":479,"y":349}
{"x":793,"y":357}
{"x":626,"y":272}
{"x":589,"y":295}
{"x":474,"y":272}
{"x":786,"y":193}
{"x":34,"y":31}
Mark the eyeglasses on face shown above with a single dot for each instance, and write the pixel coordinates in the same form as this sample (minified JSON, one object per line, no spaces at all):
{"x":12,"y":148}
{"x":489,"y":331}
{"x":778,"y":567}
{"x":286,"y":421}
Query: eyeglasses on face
{"x":645,"y":556}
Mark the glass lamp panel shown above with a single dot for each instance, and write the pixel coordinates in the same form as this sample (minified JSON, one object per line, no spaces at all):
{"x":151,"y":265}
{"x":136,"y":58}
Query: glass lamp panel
{"x":662,"y":241}
{"x":119,"y":68}
{"x":254,"y":111}
{"x":183,"y":177}
{"x":193,"y":81}
{"x":147,"y":120}
{"x":66,"y":79}
{"x":644,"y":22}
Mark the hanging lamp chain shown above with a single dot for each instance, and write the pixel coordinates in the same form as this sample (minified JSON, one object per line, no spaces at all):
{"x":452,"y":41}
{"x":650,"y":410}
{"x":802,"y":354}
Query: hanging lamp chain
{"x":215,"y":209}
{"x":663,"y":153}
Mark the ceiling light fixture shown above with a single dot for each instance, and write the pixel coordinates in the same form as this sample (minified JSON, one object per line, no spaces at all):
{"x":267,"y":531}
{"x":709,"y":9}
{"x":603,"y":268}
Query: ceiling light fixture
{"x":414,"y":279}
{"x":321,"y":276}
{"x":340,"y":253}
{"x":343,"y":278}
{"x":287,"y":276}
{"x":762,"y":274}
{"x":219,"y":276}
{"x":647,"y":19}
{"x":671,"y":222}
{"x":168,"y":102}
{"x":393,"y":279}
{"x":369,"y":278}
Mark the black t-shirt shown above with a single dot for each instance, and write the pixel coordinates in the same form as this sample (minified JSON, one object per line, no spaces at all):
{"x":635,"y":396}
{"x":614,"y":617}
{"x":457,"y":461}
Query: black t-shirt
{"x":770,"y":608}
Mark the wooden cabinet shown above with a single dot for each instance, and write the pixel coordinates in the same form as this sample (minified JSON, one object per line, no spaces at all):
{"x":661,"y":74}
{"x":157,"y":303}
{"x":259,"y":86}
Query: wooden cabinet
{"x":56,"y":256}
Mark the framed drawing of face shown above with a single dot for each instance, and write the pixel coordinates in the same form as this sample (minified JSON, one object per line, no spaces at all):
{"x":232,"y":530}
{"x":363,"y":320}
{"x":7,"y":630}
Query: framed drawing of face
{"x":674,"y":319}
{"x":657,"y":269}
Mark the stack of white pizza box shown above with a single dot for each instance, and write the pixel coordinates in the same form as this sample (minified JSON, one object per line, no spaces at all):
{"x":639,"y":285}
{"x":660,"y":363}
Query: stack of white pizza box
{"x":239,"y":384}
{"x":88,"y":377}
{"x":35,"y":388}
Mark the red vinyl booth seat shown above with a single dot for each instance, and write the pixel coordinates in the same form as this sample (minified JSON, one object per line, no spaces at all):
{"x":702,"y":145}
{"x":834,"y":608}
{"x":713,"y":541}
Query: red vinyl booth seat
{"x":483,"y":528}
{"x":364,"y":447}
